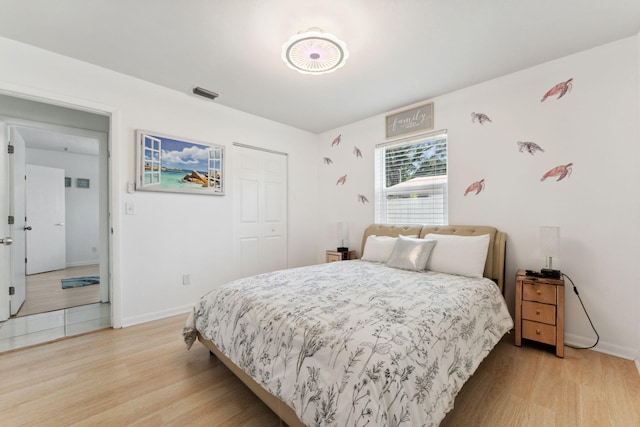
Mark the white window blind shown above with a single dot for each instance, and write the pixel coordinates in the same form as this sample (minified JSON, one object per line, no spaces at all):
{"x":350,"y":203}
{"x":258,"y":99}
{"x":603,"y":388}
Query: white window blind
{"x":411,"y":180}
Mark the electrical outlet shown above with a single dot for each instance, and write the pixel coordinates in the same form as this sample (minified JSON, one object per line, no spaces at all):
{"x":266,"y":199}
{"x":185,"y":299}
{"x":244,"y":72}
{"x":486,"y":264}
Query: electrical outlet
{"x":186,"y":279}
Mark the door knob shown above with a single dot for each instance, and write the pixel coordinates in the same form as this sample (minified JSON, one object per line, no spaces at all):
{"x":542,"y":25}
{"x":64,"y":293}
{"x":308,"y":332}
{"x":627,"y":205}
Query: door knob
{"x":28,"y":228}
{"x":6,"y":241}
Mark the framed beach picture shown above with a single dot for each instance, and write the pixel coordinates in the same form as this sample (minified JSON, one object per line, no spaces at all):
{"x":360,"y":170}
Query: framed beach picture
{"x":177,"y":165}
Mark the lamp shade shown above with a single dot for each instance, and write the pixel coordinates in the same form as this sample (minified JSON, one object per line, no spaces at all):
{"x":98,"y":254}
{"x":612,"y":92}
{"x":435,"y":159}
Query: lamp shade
{"x":343,"y":233}
{"x":550,"y":241}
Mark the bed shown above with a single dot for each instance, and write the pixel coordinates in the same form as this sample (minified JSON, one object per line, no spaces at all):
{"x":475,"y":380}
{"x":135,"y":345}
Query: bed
{"x":364,"y":342}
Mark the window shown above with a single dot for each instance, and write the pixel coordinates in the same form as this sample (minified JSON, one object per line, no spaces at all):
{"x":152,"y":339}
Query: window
{"x":411,"y":180}
{"x":152,"y":159}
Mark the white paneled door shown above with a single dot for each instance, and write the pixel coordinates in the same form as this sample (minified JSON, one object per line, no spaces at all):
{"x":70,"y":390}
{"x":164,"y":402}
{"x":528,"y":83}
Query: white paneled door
{"x":260,"y":194}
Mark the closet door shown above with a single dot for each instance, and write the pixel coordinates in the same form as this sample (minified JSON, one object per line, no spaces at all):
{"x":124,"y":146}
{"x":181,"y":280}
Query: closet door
{"x":260,"y":195}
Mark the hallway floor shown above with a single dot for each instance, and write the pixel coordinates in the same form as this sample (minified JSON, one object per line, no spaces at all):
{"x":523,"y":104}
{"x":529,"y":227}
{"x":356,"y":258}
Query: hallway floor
{"x":18,"y":332}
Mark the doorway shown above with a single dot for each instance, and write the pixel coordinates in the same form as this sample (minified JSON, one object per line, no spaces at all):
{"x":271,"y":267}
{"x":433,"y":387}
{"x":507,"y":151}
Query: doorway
{"x":80,"y":157}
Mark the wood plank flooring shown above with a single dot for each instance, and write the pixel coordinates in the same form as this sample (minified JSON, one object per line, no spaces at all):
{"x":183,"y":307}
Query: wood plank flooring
{"x":44,"y":291}
{"x":142,"y":375}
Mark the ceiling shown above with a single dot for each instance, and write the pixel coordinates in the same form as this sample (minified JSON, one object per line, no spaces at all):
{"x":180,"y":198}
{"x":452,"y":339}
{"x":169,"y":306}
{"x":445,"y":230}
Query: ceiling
{"x":49,"y":139}
{"x":400,"y":51}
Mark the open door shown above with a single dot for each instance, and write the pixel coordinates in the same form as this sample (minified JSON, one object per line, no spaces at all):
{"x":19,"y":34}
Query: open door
{"x":5,"y":228}
{"x":17,"y":194}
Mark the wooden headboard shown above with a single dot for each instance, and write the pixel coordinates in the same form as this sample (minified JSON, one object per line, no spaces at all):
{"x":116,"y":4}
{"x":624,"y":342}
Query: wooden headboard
{"x":494,"y":266}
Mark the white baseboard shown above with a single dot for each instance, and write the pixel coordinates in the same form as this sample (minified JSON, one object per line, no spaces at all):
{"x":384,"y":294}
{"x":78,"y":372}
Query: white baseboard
{"x":149,"y":317}
{"x":603,"y":347}
{"x":82,"y":263}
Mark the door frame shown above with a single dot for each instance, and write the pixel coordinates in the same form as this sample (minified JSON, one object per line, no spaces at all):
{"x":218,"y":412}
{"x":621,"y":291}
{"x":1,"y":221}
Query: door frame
{"x":114,"y":194}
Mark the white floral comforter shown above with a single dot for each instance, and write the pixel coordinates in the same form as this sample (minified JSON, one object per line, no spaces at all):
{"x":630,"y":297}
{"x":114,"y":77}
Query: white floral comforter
{"x":357,"y":343}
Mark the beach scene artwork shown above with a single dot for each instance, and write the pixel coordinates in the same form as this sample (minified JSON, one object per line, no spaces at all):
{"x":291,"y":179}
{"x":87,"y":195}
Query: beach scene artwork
{"x":175,"y":165}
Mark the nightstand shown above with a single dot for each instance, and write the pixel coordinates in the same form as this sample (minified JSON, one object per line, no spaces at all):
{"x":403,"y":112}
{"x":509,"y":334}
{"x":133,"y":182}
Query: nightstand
{"x":340,"y":256}
{"x":540,"y":310}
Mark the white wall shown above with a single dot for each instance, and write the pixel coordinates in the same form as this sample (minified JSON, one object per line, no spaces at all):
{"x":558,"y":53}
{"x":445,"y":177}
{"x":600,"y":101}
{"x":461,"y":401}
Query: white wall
{"x":81,"y":204}
{"x":170,"y":234}
{"x":596,"y":127}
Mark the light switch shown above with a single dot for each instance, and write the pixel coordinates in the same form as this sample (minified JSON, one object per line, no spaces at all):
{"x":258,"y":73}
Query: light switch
{"x":129,"y":209}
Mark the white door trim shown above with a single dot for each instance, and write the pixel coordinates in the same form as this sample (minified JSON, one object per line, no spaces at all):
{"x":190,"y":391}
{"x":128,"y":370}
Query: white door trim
{"x":115,"y":182}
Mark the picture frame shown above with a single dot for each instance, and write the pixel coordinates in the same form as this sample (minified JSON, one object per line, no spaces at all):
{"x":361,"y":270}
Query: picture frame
{"x":178,"y":165}
{"x":67,"y":181}
{"x":413,"y":120}
{"x":82,"y":182}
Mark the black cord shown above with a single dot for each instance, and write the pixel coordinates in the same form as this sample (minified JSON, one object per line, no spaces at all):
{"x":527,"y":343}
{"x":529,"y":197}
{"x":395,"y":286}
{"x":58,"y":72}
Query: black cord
{"x":575,"y":290}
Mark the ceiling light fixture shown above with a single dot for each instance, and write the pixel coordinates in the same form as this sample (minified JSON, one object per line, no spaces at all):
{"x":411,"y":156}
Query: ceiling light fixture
{"x":314,"y":52}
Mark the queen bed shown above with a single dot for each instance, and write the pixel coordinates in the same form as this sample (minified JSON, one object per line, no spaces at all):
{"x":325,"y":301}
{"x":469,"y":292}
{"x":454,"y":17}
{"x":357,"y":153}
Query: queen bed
{"x":386,"y":340}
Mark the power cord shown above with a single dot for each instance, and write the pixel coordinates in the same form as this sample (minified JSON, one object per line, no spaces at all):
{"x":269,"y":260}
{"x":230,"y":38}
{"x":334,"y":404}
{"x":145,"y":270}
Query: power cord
{"x":575,"y":290}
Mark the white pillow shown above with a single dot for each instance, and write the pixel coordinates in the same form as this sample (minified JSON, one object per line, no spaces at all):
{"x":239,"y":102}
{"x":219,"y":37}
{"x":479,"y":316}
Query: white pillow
{"x":379,"y":248}
{"x":461,"y":255}
{"x":410,"y":253}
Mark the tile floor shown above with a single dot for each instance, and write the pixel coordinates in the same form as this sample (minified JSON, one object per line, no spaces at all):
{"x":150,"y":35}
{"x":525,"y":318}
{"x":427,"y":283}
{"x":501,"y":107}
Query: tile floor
{"x":24,"y":331}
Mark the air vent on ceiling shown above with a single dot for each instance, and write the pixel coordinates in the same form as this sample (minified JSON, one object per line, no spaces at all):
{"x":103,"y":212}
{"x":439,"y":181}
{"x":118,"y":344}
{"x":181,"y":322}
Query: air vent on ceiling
{"x":204,"y":93}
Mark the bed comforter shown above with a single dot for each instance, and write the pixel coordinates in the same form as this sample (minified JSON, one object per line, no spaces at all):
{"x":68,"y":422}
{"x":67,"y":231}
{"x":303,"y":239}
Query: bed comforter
{"x":356,"y":343}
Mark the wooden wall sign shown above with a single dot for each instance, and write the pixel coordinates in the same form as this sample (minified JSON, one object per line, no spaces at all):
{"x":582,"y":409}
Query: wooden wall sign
{"x":413,"y":120}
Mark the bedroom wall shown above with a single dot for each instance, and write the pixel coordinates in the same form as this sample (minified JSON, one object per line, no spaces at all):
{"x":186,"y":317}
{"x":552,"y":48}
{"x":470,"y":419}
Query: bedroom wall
{"x":595,"y":126}
{"x":169,"y":234}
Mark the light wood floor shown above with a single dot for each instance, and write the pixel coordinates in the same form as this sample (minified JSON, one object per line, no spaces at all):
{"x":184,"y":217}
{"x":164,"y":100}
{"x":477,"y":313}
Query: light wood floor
{"x":142,"y":375}
{"x":45,"y":293}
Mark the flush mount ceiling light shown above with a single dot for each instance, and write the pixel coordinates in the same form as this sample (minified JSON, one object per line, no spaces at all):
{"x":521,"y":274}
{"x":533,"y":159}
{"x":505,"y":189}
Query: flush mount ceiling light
{"x":314,"y":52}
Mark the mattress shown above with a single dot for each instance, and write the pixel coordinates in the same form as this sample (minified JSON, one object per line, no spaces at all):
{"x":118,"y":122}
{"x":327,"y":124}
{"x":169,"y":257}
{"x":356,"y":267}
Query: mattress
{"x":356,"y":343}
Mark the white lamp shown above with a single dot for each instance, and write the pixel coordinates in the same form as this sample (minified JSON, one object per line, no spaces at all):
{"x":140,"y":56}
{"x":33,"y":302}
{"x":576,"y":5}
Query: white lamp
{"x":550,"y":247}
{"x":343,"y":236}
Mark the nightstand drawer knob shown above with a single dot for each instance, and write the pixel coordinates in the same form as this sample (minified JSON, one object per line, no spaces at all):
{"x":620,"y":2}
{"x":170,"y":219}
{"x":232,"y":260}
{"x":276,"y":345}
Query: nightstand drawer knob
{"x":539,"y":292}
{"x":537,"y":311}
{"x":538,"y":331}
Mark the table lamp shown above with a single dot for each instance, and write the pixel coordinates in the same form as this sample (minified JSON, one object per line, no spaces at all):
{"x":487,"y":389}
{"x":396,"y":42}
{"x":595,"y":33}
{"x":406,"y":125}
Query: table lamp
{"x":550,"y":247}
{"x":343,"y":236}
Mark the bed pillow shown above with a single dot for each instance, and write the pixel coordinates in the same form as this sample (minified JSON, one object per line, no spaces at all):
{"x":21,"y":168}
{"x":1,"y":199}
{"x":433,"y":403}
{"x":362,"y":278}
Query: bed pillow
{"x":410,"y":253}
{"x":461,"y":255}
{"x":379,"y":248}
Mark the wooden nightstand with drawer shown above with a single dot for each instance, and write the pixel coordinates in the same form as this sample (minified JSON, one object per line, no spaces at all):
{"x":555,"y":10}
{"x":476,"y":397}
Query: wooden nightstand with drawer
{"x":332,"y":256}
{"x":540,"y":310}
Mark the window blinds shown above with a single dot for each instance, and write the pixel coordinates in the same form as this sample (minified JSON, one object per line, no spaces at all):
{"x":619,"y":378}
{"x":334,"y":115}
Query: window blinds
{"x":411,"y":180}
